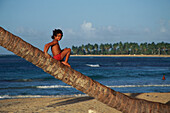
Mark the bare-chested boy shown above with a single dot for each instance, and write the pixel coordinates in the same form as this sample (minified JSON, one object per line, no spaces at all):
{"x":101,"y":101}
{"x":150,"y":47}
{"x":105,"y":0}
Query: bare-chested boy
{"x":58,"y":54}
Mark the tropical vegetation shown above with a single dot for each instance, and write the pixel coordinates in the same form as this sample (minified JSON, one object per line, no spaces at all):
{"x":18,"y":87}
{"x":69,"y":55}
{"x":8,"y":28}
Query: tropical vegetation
{"x":120,"y":48}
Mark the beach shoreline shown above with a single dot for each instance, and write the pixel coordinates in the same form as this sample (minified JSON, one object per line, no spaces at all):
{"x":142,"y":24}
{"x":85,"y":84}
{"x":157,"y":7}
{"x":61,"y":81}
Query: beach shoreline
{"x":120,"y":55}
{"x":81,"y":104}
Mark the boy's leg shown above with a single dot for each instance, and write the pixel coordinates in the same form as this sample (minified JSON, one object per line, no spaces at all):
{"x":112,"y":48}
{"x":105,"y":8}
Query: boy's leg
{"x":66,"y":53}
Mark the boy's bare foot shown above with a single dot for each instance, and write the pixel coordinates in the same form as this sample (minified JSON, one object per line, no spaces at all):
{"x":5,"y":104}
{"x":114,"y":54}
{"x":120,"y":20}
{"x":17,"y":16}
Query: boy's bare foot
{"x":67,"y":64}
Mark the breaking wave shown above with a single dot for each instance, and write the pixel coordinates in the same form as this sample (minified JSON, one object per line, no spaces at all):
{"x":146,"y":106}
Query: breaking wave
{"x":62,"y":86}
{"x":122,"y":86}
{"x":115,"y":86}
{"x":40,"y":96}
{"x":54,"y":86}
{"x":93,"y":65}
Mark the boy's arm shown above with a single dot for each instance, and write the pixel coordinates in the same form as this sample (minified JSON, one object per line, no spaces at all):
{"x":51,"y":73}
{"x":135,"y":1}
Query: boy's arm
{"x":47,"y":46}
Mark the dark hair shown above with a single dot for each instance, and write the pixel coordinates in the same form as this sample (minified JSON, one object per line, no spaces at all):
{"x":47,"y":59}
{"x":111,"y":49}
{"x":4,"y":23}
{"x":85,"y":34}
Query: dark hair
{"x":55,"y":32}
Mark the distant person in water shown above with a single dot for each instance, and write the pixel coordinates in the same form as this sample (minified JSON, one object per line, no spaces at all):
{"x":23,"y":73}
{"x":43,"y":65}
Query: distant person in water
{"x":58,"y":54}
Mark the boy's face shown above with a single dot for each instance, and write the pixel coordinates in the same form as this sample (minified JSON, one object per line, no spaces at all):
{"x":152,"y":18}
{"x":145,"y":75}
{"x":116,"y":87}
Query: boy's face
{"x":58,"y":37}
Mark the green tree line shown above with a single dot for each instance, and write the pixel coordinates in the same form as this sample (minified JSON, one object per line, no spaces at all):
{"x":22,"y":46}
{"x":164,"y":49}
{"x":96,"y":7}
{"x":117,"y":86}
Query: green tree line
{"x":120,"y":48}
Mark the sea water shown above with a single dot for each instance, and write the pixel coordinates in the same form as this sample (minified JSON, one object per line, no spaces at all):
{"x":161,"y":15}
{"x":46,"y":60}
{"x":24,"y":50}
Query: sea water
{"x":20,"y":78}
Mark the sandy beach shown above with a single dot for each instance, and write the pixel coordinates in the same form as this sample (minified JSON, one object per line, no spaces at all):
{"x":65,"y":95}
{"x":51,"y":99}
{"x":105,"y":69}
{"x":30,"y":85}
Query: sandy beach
{"x":122,"y":55}
{"x":82,"y":104}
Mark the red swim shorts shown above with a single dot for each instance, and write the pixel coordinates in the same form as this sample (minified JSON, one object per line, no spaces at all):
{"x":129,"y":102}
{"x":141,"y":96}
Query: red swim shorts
{"x":57,"y":57}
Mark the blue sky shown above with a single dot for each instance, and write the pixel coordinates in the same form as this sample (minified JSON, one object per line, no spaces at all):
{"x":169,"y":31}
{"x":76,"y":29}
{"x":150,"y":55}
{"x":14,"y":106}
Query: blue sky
{"x":86,"y":21}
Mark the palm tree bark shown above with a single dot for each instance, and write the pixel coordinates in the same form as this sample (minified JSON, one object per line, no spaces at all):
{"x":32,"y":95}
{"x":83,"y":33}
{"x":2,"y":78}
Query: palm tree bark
{"x":79,"y":81}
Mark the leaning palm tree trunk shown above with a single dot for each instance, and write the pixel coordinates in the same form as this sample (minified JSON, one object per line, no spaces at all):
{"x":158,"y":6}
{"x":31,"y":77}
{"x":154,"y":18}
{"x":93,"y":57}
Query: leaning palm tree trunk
{"x":79,"y":81}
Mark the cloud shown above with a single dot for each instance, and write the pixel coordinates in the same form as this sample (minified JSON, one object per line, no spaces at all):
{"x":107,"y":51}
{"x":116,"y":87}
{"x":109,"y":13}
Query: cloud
{"x":26,"y":31}
{"x":165,"y":26}
{"x":147,"y":30}
{"x":87,"y":30}
{"x":103,"y":33}
{"x":69,"y":32}
{"x":163,"y":30}
{"x":87,"y":26}
{"x":113,"y":33}
{"x":31,"y":32}
{"x":36,"y":37}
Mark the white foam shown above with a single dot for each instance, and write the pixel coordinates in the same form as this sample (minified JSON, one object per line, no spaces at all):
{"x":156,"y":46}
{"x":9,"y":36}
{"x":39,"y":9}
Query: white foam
{"x":114,"y":86}
{"x":20,"y":96}
{"x":154,"y":85}
{"x":54,"y":86}
{"x":41,"y":96}
{"x":75,"y":95}
{"x":93,"y":65}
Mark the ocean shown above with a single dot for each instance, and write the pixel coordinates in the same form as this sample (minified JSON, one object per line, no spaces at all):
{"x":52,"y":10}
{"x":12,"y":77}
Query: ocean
{"x":19,"y":78}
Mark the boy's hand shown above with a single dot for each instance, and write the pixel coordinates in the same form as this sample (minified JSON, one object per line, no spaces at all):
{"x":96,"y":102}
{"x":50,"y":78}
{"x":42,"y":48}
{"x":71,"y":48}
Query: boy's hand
{"x":47,"y":55}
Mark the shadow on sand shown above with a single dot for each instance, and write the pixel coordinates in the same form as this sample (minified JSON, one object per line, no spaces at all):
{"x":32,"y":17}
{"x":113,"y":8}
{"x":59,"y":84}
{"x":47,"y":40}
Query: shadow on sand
{"x":81,"y":99}
{"x":134,"y":95}
{"x":71,"y":101}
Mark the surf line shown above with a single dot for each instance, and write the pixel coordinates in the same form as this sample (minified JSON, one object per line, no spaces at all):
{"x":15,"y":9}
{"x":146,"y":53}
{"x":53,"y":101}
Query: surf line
{"x":156,"y":85}
{"x":93,"y":65}
{"x":116,"y":86}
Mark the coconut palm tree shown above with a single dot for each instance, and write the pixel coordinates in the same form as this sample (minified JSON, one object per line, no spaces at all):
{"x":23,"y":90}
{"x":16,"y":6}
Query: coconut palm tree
{"x":91,"y":48}
{"x":115,"y":45}
{"x":107,"y":47}
{"x":75,"y":50}
{"x":102,"y":48}
{"x":76,"y":79}
{"x":96,"y":47}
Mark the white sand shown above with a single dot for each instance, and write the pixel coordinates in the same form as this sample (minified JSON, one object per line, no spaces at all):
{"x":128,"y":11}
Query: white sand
{"x":71,"y":104}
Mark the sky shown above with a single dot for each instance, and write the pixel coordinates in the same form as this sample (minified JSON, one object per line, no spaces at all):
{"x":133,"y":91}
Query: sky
{"x":86,"y":21}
